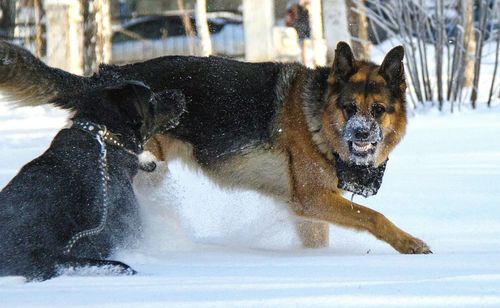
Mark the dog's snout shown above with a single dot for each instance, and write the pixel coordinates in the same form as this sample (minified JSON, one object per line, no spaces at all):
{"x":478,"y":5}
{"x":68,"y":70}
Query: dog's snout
{"x":361,"y":133}
{"x":362,"y":129}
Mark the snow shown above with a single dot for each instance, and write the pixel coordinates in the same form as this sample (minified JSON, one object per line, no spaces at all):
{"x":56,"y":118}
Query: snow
{"x":205,"y":247}
{"x":209,"y":248}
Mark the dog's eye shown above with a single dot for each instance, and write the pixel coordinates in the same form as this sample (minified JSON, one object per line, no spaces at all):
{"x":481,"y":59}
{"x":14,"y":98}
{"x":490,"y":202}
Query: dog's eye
{"x":377,"y":110}
{"x":350,"y":109}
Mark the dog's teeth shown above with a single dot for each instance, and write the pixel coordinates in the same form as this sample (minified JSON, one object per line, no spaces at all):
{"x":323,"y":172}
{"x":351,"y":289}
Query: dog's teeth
{"x":362,"y":146}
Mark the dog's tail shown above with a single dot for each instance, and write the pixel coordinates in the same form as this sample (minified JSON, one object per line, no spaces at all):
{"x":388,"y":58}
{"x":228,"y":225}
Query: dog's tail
{"x":27,"y":81}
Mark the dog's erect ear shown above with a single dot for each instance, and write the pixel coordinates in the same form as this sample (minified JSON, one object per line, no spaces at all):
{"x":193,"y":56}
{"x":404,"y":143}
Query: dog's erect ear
{"x":343,"y":64}
{"x":126,"y":90}
{"x":392,"y":69}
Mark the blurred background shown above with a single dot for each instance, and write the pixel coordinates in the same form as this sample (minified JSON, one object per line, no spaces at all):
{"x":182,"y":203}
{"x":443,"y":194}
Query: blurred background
{"x":451,"y":45}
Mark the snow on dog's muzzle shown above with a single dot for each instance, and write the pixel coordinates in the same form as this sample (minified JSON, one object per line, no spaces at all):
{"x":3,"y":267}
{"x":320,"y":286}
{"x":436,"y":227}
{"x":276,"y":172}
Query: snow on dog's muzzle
{"x":362,"y":135}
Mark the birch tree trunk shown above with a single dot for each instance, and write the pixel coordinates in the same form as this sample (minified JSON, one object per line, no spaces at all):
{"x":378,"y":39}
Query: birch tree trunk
{"x":316,"y":25}
{"x":64,"y":35}
{"x":358,"y":28}
{"x":258,"y":22}
{"x":470,"y":43}
{"x":335,"y":24}
{"x":96,"y":34}
{"x":103,"y":31}
{"x":202,"y":28}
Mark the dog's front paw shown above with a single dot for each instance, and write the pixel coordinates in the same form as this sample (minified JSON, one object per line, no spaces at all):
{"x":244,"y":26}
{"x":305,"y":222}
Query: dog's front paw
{"x":148,"y":166}
{"x":147,"y":161}
{"x":413,"y":245}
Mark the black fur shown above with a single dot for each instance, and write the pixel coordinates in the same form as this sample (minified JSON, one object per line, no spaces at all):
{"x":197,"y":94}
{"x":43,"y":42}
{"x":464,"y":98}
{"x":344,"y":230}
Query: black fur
{"x":230,"y":104}
{"x":58,"y":194}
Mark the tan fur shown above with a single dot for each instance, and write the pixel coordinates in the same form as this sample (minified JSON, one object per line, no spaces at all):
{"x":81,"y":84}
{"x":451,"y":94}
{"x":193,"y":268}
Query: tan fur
{"x":263,"y":170}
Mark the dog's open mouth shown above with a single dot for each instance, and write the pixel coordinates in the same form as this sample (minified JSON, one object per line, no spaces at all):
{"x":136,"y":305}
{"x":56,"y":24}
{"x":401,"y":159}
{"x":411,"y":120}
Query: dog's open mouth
{"x":362,"y":148}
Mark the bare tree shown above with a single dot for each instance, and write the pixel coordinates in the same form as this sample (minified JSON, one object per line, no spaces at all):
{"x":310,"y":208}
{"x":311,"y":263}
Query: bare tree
{"x":448,"y":27}
{"x":202,"y":28}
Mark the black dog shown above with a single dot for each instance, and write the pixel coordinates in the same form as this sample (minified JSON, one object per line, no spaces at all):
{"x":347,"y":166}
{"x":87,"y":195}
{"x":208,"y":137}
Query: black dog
{"x":73,"y":205}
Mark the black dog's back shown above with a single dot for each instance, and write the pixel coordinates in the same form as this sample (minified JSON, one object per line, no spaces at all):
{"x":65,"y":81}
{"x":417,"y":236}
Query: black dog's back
{"x":230,"y":103}
{"x":55,"y":196}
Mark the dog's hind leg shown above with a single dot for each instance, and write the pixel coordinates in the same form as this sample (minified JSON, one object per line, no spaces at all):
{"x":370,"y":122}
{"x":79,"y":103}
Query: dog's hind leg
{"x":313,"y":234}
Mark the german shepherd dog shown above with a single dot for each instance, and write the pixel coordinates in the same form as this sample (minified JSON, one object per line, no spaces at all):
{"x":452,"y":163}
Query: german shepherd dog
{"x":73,"y":205}
{"x":302,"y":136}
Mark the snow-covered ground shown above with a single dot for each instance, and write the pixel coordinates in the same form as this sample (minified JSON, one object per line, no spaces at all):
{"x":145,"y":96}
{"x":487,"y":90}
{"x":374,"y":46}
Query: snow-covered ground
{"x":205,"y":247}
{"x":239,"y":249}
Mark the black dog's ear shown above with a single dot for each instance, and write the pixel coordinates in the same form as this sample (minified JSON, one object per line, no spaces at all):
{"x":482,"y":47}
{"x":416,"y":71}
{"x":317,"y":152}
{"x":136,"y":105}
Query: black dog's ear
{"x":343,"y":64}
{"x":171,"y":105}
{"x":392,"y":69}
{"x":126,"y":90}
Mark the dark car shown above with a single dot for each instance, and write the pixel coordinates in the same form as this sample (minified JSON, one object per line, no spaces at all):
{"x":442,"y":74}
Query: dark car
{"x":148,"y":37}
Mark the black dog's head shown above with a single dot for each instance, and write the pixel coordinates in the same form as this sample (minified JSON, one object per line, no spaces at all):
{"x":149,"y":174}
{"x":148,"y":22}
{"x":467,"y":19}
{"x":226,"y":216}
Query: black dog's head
{"x":129,"y":109}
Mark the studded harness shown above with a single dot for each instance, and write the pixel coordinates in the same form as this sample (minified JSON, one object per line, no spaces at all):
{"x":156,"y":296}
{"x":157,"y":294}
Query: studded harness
{"x":103,"y":136}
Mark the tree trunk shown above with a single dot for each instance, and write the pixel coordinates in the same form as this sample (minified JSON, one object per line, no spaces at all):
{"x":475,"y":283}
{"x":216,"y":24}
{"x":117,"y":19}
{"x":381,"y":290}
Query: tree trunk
{"x":96,"y":34}
{"x":258,"y":22}
{"x":202,"y":28}
{"x":358,"y":28}
{"x":39,"y":41}
{"x":494,"y":69}
{"x":64,"y":35}
{"x":103,"y":31}
{"x":335,"y":24}
{"x":317,"y":40}
{"x":8,"y":20}
{"x":483,"y":16}
{"x":89,"y":44}
{"x":470,"y":43}
{"x":439,"y":51}
{"x":188,"y":27}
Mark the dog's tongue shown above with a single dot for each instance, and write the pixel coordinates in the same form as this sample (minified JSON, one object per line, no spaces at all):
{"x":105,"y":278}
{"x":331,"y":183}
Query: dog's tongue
{"x":360,"y":180}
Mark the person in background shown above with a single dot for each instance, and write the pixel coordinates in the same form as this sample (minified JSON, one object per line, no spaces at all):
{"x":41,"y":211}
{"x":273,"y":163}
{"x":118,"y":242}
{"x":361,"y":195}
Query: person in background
{"x":297,"y":16}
